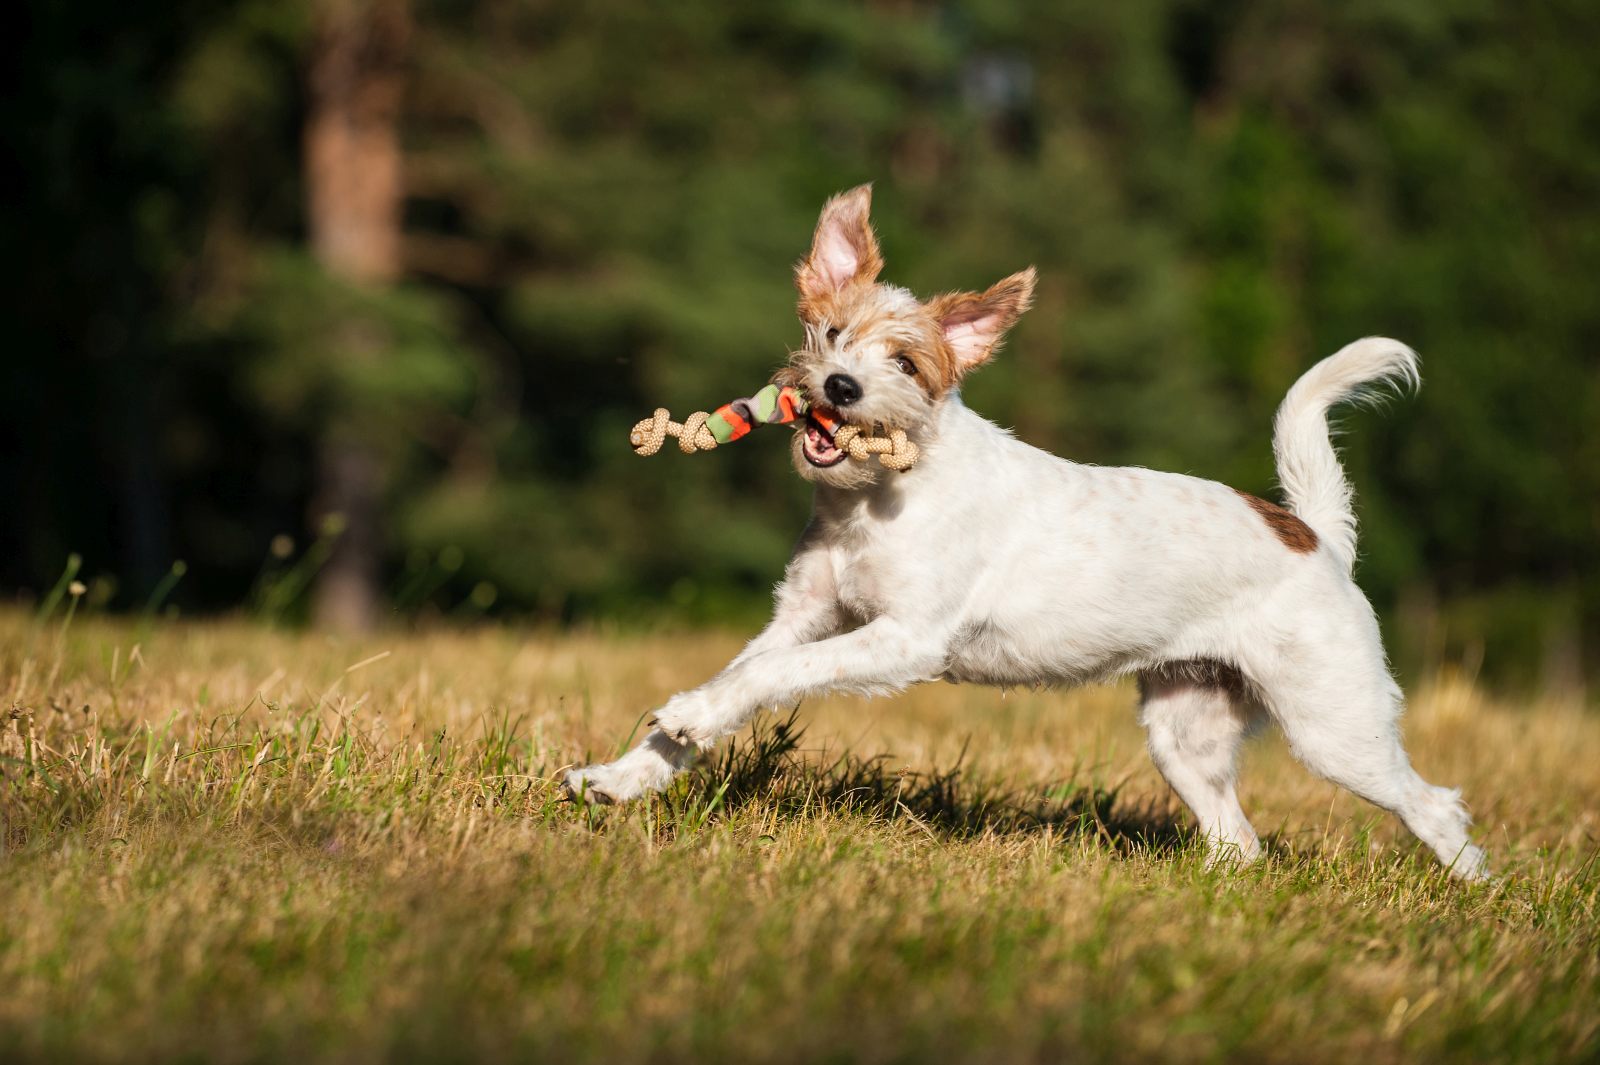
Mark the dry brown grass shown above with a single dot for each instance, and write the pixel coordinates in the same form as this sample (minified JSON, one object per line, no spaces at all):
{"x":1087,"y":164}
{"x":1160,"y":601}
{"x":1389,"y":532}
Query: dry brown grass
{"x":224,"y":843}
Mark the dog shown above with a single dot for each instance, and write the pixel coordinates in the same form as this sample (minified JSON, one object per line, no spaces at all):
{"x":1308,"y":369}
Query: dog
{"x":996,"y":563}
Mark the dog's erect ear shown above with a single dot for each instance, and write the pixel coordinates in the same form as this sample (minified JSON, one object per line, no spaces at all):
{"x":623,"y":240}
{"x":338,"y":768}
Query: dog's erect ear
{"x":843,"y":250}
{"x":975,"y":322}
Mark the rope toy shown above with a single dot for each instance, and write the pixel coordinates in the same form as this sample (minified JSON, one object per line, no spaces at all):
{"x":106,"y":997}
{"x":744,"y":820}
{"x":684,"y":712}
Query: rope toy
{"x":894,"y":451}
{"x":773,"y":405}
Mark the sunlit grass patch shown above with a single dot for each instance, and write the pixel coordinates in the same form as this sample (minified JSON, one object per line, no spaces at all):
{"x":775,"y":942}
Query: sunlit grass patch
{"x":227,"y":843}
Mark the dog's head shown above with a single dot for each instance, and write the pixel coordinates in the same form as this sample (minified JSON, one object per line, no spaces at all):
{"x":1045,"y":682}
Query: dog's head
{"x":875,"y":355}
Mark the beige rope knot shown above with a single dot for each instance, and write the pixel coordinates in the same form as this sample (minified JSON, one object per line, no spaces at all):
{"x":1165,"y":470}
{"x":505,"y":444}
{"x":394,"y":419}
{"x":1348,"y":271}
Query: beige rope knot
{"x":895,"y":452}
{"x":649,"y":434}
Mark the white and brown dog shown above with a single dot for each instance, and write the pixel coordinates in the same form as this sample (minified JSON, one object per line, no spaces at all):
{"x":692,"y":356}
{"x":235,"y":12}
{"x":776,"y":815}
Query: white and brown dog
{"x":994,"y":562}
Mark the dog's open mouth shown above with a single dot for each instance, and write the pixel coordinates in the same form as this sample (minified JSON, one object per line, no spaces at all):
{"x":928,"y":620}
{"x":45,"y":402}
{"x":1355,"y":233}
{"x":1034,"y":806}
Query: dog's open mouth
{"x":817,"y":444}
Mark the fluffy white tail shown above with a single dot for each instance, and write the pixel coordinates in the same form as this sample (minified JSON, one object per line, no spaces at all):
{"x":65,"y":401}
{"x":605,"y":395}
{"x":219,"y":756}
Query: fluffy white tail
{"x":1308,"y":467}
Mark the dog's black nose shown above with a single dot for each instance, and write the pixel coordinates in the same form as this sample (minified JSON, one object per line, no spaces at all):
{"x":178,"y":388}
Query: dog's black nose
{"x":841,"y":389}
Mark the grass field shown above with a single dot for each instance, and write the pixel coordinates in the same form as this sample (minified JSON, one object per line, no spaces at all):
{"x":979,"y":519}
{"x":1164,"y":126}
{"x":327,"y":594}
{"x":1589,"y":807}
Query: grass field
{"x":228,"y":844}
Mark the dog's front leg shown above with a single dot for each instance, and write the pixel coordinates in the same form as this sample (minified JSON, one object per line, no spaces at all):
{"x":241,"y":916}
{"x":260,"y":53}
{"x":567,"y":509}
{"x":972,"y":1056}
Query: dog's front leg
{"x":882,"y":656}
{"x":805,"y":608}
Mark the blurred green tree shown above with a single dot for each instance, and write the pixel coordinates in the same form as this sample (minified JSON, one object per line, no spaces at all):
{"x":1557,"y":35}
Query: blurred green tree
{"x":354,"y":198}
{"x":595,"y":212}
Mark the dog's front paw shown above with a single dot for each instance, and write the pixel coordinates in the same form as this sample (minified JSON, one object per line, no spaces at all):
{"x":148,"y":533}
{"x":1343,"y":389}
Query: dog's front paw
{"x":648,"y":767}
{"x":688,"y":720}
{"x":1471,"y":865}
{"x":594,"y":785}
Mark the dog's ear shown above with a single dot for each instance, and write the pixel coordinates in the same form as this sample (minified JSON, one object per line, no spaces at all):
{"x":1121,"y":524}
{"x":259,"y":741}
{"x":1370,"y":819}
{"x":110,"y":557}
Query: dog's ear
{"x":975,"y":322}
{"x":844,"y":249}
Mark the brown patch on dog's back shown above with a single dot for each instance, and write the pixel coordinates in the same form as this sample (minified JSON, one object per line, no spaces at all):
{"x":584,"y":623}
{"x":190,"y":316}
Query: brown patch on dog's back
{"x":1296,"y":535}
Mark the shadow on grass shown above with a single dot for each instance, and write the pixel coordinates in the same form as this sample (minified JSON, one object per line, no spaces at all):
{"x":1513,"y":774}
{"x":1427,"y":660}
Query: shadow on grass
{"x":768,"y":770}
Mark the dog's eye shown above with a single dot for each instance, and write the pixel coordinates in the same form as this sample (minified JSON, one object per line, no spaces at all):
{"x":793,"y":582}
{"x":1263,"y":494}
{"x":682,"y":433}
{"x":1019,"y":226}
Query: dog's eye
{"x":905,"y":364}
{"x":833,"y":333}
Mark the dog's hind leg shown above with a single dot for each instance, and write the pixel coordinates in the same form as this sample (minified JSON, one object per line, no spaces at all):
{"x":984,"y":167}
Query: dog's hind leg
{"x":1342,"y":721}
{"x":1196,"y":715}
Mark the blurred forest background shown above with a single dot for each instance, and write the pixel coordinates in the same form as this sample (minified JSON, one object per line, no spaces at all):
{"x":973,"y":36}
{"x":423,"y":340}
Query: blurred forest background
{"x":338,"y":311}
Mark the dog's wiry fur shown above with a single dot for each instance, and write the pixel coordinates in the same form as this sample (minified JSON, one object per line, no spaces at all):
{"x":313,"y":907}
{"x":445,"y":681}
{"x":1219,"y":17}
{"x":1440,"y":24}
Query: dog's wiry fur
{"x":996,"y":563}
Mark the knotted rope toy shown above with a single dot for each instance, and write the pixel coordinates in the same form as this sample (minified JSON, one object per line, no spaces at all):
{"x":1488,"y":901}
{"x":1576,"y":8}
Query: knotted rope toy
{"x":773,"y":405}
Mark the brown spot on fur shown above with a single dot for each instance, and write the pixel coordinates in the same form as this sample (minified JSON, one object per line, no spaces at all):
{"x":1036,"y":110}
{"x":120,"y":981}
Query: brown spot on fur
{"x":1296,"y":535}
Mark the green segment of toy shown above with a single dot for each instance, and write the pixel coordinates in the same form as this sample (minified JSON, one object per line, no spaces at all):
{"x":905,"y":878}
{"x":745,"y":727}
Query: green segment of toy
{"x":773,"y":405}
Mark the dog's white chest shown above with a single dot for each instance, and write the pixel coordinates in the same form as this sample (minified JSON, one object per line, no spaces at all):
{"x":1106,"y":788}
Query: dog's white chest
{"x":864,"y":584}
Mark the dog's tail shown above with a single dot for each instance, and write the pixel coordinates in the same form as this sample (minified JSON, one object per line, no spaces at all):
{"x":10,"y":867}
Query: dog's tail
{"x":1313,"y":482}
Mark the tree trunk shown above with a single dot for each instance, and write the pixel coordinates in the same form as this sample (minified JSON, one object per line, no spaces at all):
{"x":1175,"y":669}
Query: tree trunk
{"x":353,"y":187}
